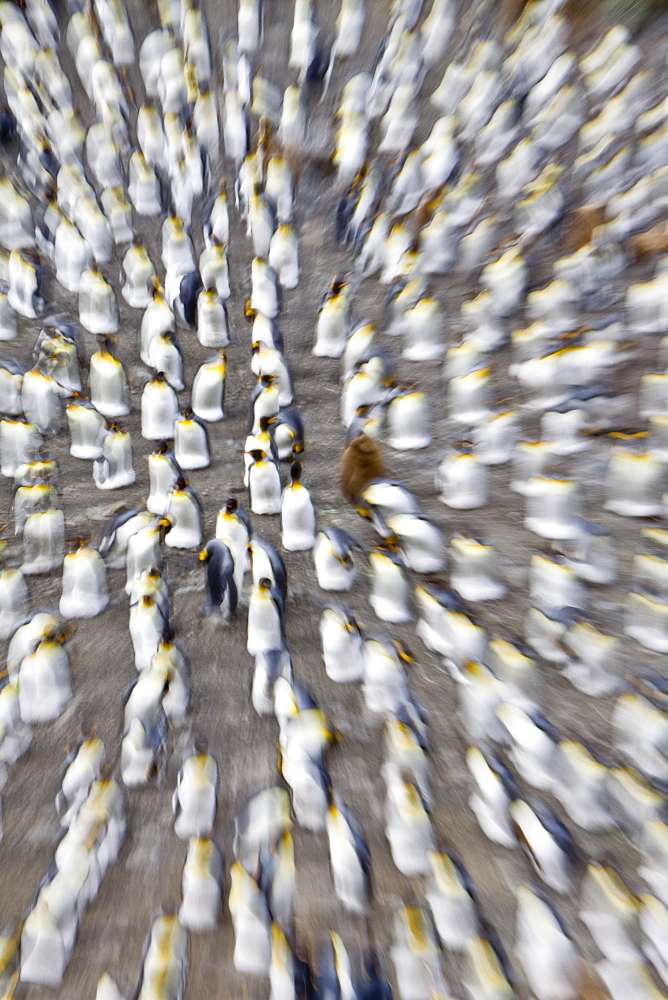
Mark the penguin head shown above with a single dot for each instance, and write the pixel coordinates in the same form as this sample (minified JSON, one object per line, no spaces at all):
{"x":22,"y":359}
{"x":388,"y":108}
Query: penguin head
{"x":296,"y":472}
{"x":165,"y":524}
{"x":404,"y":654}
{"x":257,"y":454}
{"x":231,"y":505}
{"x":106,"y":343}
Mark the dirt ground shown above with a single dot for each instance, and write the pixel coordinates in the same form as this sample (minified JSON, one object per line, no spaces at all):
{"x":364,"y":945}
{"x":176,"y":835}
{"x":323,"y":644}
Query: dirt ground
{"x":147,"y":875}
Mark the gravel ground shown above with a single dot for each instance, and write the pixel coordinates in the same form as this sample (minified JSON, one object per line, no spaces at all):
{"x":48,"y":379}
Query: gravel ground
{"x":147,"y":875}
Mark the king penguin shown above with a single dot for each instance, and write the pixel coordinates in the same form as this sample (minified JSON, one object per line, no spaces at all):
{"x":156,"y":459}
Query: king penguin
{"x":108,"y":383}
{"x":183,"y":509}
{"x":84,"y":586}
{"x":191,"y":441}
{"x":221,"y":584}
{"x":297,"y":514}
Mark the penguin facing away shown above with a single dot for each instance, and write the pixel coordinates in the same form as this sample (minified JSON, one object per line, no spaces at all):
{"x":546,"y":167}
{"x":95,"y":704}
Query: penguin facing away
{"x":220,"y":577}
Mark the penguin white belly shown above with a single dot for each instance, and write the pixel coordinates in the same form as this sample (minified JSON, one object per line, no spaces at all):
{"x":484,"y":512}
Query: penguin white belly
{"x":201,"y":902}
{"x":264,"y":626}
{"x":262,"y":690}
{"x":13,"y":600}
{"x":236,"y":539}
{"x":208,"y":394}
{"x":330,"y":334}
{"x":143,"y":553}
{"x":44,"y":684}
{"x":349,"y":878}
{"x":409,"y":844}
{"x":145,"y":631}
{"x":212,"y":325}
{"x":114,"y":470}
{"x":107,"y":989}
{"x":265,"y":488}
{"x":158,"y":412}
{"x":43,"y":534}
{"x":43,"y":954}
{"x":166,"y":357}
{"x":264,"y":296}
{"x":136,"y":763}
{"x":144,"y":193}
{"x":548,"y":958}
{"x":455,"y":918}
{"x":384,"y":684}
{"x":252,"y":945}
{"x":341,"y":650}
{"x":41,"y":402}
{"x":191,"y":448}
{"x":198,"y":810}
{"x":162,"y":478}
{"x":418,"y":976}
{"x":390,"y":590}
{"x":297,"y":520}
{"x":108,"y":387}
{"x":309,"y":796}
{"x":84,"y":587}
{"x":84,"y":424}
{"x":408,"y":423}
{"x":331,"y":573}
{"x":284,"y":260}
{"x":186,"y":532}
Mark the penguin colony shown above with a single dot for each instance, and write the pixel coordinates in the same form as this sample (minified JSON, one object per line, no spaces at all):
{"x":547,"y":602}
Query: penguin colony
{"x":538,"y":187}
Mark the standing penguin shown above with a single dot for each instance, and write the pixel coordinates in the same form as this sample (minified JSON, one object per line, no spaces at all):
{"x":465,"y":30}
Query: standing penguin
{"x":297,"y":514}
{"x":163,"y":473}
{"x":43,"y":541}
{"x":200,"y":906}
{"x":333,"y":556}
{"x":147,"y":625}
{"x":208,"y":389}
{"x":265,"y":619}
{"x":84,"y":587}
{"x":165,"y":356}
{"x":287,"y":430}
{"x":264,"y":482}
{"x":195,"y":798}
{"x":98,"y":310}
{"x":265,"y":297}
{"x":84,"y":422}
{"x":159,"y":409}
{"x":251,"y":922}
{"x":108,"y":384}
{"x":191,"y":441}
{"x":349,"y":857}
{"x":390,"y":584}
{"x":44,"y":681}
{"x":114,"y":468}
{"x":234,"y":529}
{"x":212,"y":323}
{"x":341,"y":645}
{"x":264,"y":402}
{"x":183,"y":509}
{"x":25,"y":274}
{"x":221,"y":584}
{"x":333,"y":322}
